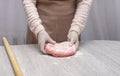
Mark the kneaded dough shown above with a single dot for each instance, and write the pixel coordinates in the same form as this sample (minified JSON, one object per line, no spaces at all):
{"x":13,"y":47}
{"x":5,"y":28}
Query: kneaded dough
{"x":60,"y":49}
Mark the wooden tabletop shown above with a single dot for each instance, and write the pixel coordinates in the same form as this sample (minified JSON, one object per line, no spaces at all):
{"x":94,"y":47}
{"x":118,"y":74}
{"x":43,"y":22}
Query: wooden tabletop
{"x":94,"y":58}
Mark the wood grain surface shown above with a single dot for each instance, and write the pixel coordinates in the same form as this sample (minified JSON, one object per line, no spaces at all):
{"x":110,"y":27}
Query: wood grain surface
{"x":94,"y":58}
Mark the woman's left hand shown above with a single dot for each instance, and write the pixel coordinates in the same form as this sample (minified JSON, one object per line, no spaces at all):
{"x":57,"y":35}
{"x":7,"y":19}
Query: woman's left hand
{"x":73,"y":37}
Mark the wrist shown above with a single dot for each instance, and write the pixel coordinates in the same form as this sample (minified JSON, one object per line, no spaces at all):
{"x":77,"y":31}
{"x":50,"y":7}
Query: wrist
{"x":40,"y":32}
{"x":75,"y":32}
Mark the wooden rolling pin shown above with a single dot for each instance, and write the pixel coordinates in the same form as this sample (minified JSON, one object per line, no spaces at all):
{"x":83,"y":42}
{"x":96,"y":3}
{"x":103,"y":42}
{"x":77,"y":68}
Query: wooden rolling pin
{"x":12,"y":58}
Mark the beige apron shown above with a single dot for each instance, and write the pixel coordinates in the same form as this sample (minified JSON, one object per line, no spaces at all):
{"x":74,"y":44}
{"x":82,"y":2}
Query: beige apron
{"x":56,"y":16}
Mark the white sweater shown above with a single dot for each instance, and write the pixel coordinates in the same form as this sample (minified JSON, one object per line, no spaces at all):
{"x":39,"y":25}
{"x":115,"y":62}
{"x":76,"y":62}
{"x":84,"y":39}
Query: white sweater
{"x":78,"y":22}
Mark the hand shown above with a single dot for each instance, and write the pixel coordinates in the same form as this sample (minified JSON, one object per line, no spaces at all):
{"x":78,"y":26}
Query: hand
{"x":43,"y":38}
{"x":73,"y":37}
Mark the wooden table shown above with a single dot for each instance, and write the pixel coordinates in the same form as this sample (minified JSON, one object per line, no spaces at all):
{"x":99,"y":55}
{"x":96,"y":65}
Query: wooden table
{"x":94,"y":58}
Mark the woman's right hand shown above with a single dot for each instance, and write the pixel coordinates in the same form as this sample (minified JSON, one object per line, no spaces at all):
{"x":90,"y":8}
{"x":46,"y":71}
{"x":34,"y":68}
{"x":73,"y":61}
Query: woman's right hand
{"x":44,"y":38}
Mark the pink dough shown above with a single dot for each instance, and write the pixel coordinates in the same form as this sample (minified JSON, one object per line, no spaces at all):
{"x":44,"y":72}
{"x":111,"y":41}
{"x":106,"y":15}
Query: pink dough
{"x":60,"y":49}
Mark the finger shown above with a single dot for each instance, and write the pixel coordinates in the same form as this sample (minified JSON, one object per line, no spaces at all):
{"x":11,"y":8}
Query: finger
{"x":72,"y":41}
{"x":68,"y":39}
{"x":68,"y":36}
{"x":77,"y":45}
{"x":50,"y":40}
{"x":42,"y":45}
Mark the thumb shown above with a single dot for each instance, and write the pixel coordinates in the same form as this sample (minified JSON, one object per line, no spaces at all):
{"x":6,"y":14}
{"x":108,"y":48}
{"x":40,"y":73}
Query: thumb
{"x":50,"y":40}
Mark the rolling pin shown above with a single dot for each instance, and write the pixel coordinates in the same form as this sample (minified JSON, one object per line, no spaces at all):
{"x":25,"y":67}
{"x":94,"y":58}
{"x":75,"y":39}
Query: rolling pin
{"x":14,"y":63}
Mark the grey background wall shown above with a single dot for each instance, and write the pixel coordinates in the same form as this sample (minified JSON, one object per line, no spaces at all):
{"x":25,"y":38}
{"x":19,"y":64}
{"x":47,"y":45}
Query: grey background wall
{"x":103,"y":21}
{"x":12,"y":21}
